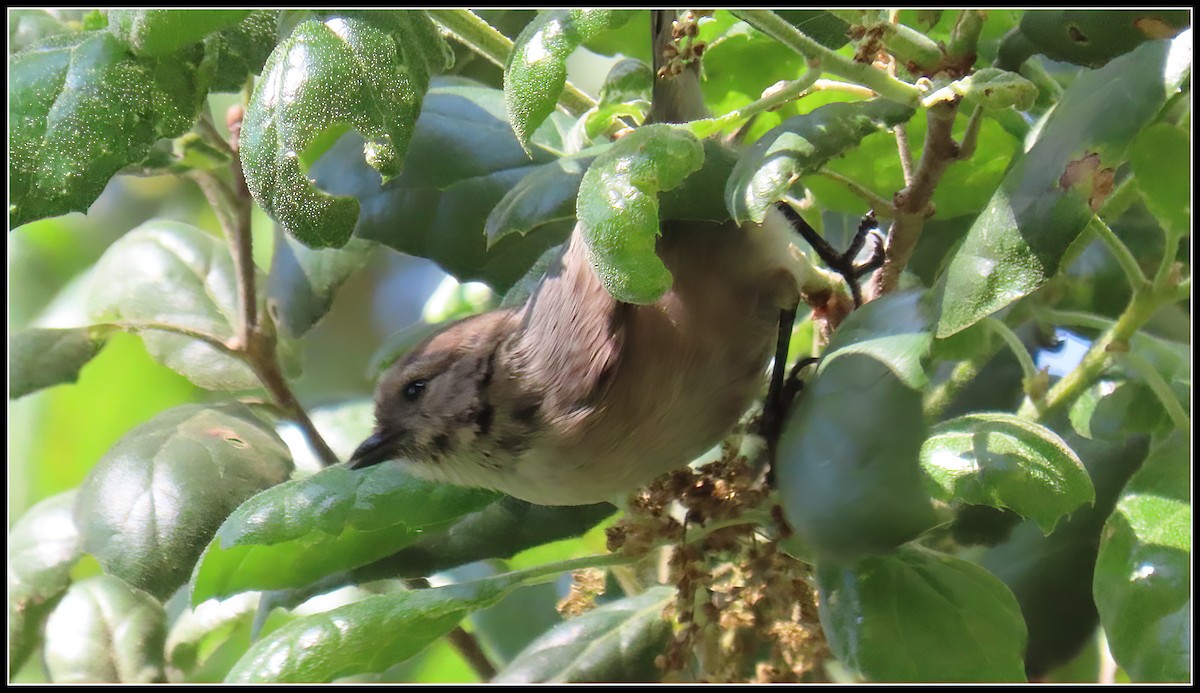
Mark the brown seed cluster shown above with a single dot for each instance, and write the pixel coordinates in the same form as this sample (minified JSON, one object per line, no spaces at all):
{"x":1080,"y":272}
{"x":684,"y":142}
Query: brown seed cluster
{"x":684,"y":48}
{"x":744,"y":610}
{"x":586,"y":585}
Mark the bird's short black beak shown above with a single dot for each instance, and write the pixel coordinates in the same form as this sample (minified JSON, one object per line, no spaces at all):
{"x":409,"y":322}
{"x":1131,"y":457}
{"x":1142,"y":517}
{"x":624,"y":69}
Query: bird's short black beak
{"x":376,"y":449}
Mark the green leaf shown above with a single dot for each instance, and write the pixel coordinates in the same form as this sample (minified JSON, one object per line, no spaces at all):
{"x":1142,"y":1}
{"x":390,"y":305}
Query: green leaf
{"x":1159,"y":155}
{"x":159,"y":32}
{"x":346,"y":70}
{"x":536,"y":71}
{"x":104,"y":631}
{"x":304,"y":281}
{"x":1143,"y":571}
{"x":500,"y":530}
{"x":462,"y":160}
{"x":848,"y":475}
{"x":168,"y":274}
{"x":1115,"y":408}
{"x":332,"y":521}
{"x":367,"y":636}
{"x":41,"y":358}
{"x":800,"y":146}
{"x":43,"y":546}
{"x":204,"y":643}
{"x":82,"y":107}
{"x":1090,"y":37}
{"x":616,"y":642}
{"x":151,"y":505}
{"x":1047,"y":198}
{"x":922,"y":616}
{"x":544,"y":196}
{"x":27,"y":27}
{"x":620,"y":237}
{"x":1005,"y":461}
{"x":241,"y":50}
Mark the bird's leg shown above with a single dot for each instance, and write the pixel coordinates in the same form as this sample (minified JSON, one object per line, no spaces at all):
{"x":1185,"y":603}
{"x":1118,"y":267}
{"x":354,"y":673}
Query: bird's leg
{"x":842,"y":263}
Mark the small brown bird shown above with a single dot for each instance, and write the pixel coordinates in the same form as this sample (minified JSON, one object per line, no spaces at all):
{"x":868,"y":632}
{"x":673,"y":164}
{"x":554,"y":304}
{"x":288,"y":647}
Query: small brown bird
{"x":575,"y":397}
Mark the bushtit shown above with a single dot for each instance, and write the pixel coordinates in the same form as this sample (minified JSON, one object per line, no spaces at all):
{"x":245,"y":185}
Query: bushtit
{"x":575,"y":397}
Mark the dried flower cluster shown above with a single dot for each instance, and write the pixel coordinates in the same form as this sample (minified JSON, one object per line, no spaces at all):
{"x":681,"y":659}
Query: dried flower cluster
{"x":745,"y":611}
{"x":685,"y":48}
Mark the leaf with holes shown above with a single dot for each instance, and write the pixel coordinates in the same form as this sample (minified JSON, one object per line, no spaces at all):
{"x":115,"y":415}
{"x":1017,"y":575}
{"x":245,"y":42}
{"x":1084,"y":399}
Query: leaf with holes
{"x":153,"y":502}
{"x":82,"y":107}
{"x":1143,"y":571}
{"x":1005,"y":461}
{"x":1087,"y":37}
{"x":1049,"y":195}
{"x":104,"y":631}
{"x":361,"y":72}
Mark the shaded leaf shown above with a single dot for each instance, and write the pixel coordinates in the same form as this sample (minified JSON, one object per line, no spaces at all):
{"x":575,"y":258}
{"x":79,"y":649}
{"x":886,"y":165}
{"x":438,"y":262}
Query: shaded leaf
{"x":303,"y":282}
{"x":536,"y":71}
{"x":922,"y":616}
{"x":462,"y":160}
{"x":43,"y":546}
{"x":1159,"y":155}
{"x":241,"y":50}
{"x":41,"y":358}
{"x":848,"y":475}
{"x":1005,"y":461}
{"x":1017,"y":243}
{"x":544,"y":196}
{"x":367,"y":636}
{"x":159,"y":32}
{"x":332,"y":521}
{"x":1089,"y":37}
{"x":82,"y":107}
{"x":1143,"y":571}
{"x":1114,"y":408}
{"x":104,"y":631}
{"x":151,"y":505}
{"x":800,"y":146}
{"x":345,"y":71}
{"x":618,"y":208}
{"x":616,"y":642}
{"x":177,"y":276}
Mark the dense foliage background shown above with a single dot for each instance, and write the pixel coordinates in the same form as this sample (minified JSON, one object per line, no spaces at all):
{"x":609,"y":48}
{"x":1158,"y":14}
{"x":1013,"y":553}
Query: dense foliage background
{"x":986,"y":478}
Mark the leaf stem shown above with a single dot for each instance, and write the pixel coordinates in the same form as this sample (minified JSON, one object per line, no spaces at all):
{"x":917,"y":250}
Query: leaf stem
{"x":1121,"y":252}
{"x":883,"y":208}
{"x":906,"y":162}
{"x":909,"y":46}
{"x":1161,"y":389}
{"x":1029,"y":371}
{"x":776,"y":27}
{"x":778,"y":97}
{"x":475,"y":33}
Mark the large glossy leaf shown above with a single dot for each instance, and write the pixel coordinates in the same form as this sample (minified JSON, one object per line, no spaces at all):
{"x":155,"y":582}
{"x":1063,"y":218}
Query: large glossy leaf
{"x":177,"y":276}
{"x":1005,"y":461}
{"x":42,"y":548}
{"x":81,"y":107}
{"x":367,"y":636}
{"x":41,"y":358}
{"x":618,"y":208}
{"x":366,"y":72}
{"x":1048,"y":196}
{"x":849,"y":475}
{"x":335,"y":520}
{"x":462,"y":160}
{"x":616,"y":642}
{"x":800,"y":146}
{"x":546,"y":195}
{"x":1143,"y":571}
{"x":152,"y":504}
{"x":922,"y":616}
{"x":159,"y":32}
{"x":536,"y":71}
{"x":104,"y":631}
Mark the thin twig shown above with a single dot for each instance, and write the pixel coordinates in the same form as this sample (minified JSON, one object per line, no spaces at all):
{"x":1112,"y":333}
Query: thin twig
{"x":1129,"y":265}
{"x":469,"y":648}
{"x":906,"y":162}
{"x":1161,"y":389}
{"x":882,"y":207}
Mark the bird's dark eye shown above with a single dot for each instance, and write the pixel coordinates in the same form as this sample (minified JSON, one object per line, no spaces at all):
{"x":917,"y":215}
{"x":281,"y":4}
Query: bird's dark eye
{"x":414,"y":389}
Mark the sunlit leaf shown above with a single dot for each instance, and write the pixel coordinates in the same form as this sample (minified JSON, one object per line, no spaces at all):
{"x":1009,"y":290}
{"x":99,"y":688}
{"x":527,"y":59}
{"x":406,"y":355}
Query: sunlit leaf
{"x":104,"y":631}
{"x":41,"y":358}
